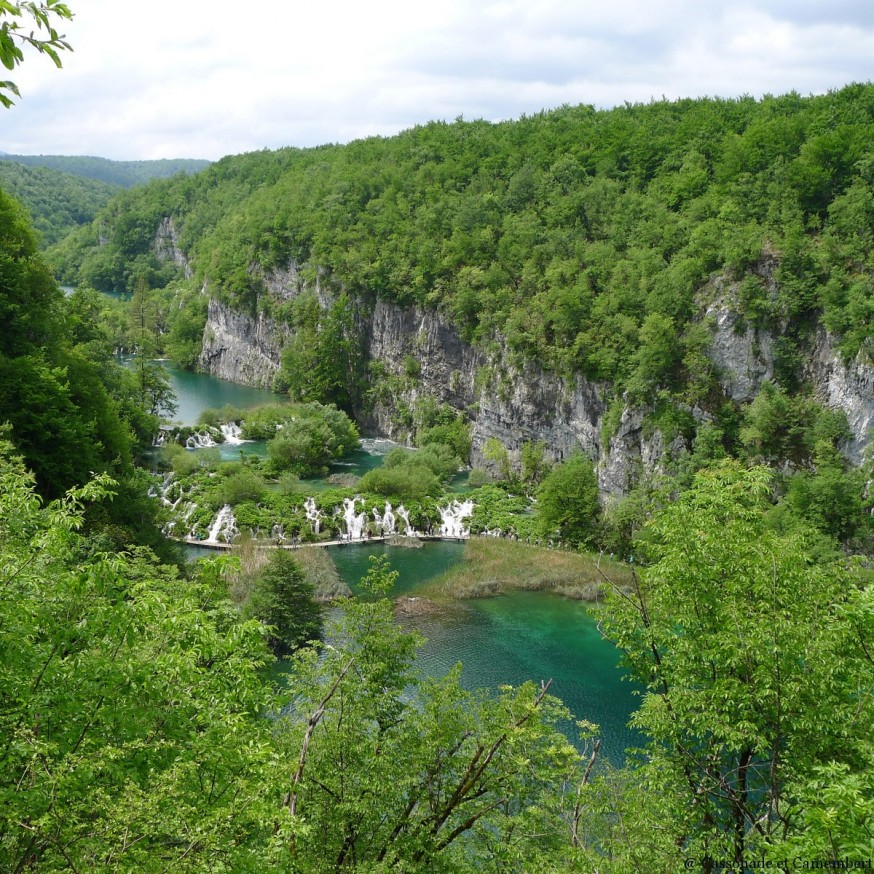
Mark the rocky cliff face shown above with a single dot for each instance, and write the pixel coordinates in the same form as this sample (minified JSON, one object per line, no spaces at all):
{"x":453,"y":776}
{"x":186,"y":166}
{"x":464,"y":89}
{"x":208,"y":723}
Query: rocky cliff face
{"x":167,"y":247}
{"x":511,"y":405}
{"x":241,"y":348}
{"x":847,"y":387}
{"x":744,"y":357}
{"x":514,"y":404}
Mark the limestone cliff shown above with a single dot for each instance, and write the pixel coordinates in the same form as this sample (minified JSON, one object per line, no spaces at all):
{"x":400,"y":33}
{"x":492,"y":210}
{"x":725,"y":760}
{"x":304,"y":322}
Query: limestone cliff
{"x":239,"y":347}
{"x":744,"y":357}
{"x":512,"y":404}
{"x":516,"y":403}
{"x":167,"y":247}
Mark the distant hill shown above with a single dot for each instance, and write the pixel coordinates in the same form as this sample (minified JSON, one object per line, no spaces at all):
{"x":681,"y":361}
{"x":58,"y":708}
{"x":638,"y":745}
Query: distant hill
{"x":121,"y":173}
{"x":57,"y":202}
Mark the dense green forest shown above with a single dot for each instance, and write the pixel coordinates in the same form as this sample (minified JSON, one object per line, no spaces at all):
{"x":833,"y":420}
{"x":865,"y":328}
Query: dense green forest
{"x":73,"y":410}
{"x":143,"y":724}
{"x":57,"y":201}
{"x":585,"y":238}
{"x":124,"y":174}
{"x":591,"y":242}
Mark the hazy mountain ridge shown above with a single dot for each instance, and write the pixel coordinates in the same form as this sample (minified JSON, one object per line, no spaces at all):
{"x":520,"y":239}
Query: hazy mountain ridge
{"x":121,"y":173}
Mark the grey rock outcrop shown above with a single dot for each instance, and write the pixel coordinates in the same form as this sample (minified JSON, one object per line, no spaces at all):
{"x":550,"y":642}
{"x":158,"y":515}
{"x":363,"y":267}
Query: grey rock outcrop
{"x":847,"y":387}
{"x":421,"y":353}
{"x":240,"y":347}
{"x":167,"y":247}
{"x":509,"y":403}
{"x":744,"y":356}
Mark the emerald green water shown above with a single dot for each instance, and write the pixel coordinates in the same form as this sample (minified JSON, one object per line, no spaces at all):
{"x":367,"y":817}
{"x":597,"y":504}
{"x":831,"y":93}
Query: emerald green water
{"x":196,"y":392}
{"x":510,"y":639}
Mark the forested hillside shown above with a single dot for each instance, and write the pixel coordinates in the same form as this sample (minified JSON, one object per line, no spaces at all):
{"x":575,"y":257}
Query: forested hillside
{"x":58,"y":202}
{"x":607,"y":246}
{"x":121,"y":173}
{"x":584,"y":237}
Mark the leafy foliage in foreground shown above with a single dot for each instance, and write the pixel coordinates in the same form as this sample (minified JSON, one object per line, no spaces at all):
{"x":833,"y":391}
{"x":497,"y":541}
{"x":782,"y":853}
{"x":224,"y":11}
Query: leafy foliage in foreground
{"x":759,"y":683}
{"x":135,"y":735}
{"x":30,"y":25}
{"x":131,"y":702}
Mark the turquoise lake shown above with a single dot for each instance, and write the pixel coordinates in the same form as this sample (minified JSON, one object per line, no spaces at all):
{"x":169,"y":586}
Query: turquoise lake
{"x":501,"y":640}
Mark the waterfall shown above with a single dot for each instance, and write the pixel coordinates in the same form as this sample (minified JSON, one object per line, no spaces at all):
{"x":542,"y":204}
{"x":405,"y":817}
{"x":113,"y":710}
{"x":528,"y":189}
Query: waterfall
{"x":224,"y":526}
{"x":233,"y":433}
{"x":163,"y":491}
{"x":404,"y":514}
{"x":200,"y":440}
{"x":278,"y":533}
{"x":451,"y":519}
{"x":160,"y":438}
{"x":313,"y":515}
{"x":355,"y":523}
{"x":385,"y":522}
{"x":377,"y":445}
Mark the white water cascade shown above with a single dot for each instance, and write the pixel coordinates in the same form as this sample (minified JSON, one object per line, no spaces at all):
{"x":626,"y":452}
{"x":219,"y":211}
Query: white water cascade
{"x":404,"y":513}
{"x":377,"y":445}
{"x":314,"y":516}
{"x":355,"y":523}
{"x":233,"y":434}
{"x":224,"y":526}
{"x":385,"y":522}
{"x":200,"y":440}
{"x":451,"y":524}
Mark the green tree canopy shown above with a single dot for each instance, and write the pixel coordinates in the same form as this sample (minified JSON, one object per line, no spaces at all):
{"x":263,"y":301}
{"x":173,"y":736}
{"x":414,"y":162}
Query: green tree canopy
{"x":567,"y":501}
{"x":757,"y":670}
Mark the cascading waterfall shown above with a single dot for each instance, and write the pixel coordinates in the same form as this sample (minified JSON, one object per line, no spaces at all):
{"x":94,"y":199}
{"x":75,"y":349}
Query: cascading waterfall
{"x":224,"y":526}
{"x":314,"y":515}
{"x":355,"y":523}
{"x":160,"y":439}
{"x":451,"y":524}
{"x":200,"y":440}
{"x":233,"y":434}
{"x":155,"y":490}
{"x":385,"y":522}
{"x":404,"y":513}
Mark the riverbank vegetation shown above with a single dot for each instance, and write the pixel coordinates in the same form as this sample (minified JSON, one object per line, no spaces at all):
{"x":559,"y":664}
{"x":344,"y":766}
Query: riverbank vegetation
{"x":141,"y":727}
{"x":492,"y":566}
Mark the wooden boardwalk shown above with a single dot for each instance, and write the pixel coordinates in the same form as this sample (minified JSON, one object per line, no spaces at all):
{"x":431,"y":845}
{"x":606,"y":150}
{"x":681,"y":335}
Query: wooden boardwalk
{"x":266,"y":544}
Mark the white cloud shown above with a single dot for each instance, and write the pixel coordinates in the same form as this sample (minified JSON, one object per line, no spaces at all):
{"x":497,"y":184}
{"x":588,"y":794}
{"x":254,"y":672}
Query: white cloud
{"x":190,"y":78}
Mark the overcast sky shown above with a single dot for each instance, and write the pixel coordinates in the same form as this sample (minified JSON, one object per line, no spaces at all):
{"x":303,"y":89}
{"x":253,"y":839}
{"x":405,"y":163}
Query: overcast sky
{"x":206,"y":78}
